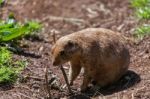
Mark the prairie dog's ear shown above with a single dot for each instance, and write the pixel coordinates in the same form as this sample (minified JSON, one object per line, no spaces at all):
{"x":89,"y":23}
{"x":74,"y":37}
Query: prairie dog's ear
{"x":71,"y":46}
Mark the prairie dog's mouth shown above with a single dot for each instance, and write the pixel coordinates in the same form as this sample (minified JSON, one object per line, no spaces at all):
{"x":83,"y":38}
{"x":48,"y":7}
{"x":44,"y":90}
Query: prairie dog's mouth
{"x":56,"y":63}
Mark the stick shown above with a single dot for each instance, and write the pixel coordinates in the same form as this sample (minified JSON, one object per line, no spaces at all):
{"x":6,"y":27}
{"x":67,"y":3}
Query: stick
{"x":63,"y":71}
{"x":66,"y":79}
{"x":46,"y":80}
{"x":74,"y":21}
{"x":54,"y":37}
{"x":55,"y":18}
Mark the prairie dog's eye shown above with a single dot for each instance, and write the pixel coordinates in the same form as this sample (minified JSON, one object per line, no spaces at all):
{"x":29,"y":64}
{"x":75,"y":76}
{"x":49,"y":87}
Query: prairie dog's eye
{"x":62,"y":53}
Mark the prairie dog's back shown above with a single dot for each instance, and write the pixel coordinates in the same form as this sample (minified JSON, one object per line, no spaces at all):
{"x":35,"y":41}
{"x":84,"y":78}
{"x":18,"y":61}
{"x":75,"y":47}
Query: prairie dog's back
{"x":91,"y":35}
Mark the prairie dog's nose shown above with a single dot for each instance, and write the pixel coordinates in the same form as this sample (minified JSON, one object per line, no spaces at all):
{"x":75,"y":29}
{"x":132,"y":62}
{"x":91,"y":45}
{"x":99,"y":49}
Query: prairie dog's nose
{"x":54,"y":63}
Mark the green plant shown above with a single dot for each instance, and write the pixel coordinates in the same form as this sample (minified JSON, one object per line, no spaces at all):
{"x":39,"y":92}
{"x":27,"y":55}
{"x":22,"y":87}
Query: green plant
{"x":140,"y":3}
{"x":141,"y":8}
{"x":1,"y":2}
{"x":7,"y":75}
{"x":32,"y":26}
{"x":9,"y":69}
{"x":5,"y":56}
{"x":141,"y":31}
{"x":142,"y":11}
{"x":10,"y":29}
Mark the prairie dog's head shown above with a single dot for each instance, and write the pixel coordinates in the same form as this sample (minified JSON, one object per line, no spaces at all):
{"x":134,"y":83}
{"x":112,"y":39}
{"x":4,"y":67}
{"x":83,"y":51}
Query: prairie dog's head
{"x":64,"y":50}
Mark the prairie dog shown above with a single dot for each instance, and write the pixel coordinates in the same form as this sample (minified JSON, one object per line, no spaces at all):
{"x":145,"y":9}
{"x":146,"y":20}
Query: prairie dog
{"x":101,"y":52}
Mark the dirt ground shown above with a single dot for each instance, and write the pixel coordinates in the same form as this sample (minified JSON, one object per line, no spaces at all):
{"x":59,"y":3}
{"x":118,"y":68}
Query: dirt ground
{"x":64,"y":17}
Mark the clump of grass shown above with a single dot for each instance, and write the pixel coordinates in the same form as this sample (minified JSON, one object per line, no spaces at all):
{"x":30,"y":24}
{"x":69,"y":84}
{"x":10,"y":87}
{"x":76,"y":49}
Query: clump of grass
{"x":141,"y":8}
{"x":9,"y":69}
{"x":11,"y":29}
{"x":139,"y":3}
{"x":142,"y":11}
{"x":141,"y":31}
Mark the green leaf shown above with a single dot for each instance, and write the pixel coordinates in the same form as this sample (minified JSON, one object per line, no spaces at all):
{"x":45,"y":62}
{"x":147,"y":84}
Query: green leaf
{"x":9,"y":34}
{"x":5,"y":26}
{"x":32,"y":26}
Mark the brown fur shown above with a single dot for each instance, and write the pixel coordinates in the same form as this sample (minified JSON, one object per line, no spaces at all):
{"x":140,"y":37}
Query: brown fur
{"x":101,"y":52}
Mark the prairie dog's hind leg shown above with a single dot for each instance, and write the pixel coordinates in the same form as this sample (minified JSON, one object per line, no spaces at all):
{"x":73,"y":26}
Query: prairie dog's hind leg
{"x":74,"y":71}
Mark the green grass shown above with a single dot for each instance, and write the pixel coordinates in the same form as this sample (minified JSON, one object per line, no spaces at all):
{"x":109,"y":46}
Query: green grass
{"x":142,"y":11}
{"x":141,"y":8}
{"x":141,"y":31}
{"x":140,"y":3}
{"x":9,"y":69}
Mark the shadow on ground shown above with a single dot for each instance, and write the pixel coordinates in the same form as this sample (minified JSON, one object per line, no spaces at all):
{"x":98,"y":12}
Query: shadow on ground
{"x":127,"y":81}
{"x":28,"y":54}
{"x":5,"y":87}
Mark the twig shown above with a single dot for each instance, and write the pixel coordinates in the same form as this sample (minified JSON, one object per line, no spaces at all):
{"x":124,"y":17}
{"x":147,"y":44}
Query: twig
{"x":75,"y":21}
{"x":63,"y":71}
{"x":54,"y":37}
{"x":55,"y":18}
{"x":46,"y":80}
{"x":132,"y":95}
{"x":66,"y":79}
